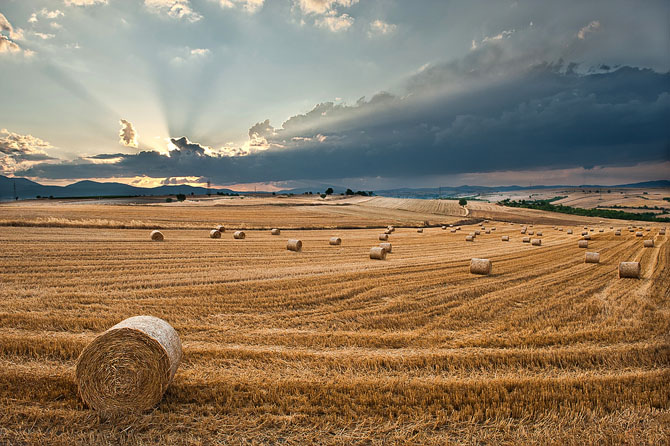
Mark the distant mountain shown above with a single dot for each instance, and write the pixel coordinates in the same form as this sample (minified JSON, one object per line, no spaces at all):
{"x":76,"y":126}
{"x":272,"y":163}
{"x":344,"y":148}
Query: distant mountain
{"x":30,"y":189}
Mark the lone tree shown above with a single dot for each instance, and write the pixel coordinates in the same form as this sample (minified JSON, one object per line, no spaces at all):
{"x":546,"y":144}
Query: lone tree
{"x":462,"y":201}
{"x":329,"y":191}
{"x":349,"y":192}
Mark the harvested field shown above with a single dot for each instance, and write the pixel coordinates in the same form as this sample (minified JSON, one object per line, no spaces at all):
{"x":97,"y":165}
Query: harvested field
{"x":329,"y":346}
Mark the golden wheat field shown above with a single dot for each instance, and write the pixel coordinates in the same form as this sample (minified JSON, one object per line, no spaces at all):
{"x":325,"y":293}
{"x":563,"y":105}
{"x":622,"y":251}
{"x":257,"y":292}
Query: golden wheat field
{"x":326,"y":346}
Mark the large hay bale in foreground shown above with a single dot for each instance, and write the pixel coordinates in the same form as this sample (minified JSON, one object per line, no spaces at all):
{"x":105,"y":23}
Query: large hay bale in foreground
{"x":214,"y":234}
{"x":387,"y":247}
{"x":129,"y":367}
{"x":378,"y":253}
{"x":275,"y":231}
{"x":383,"y":237}
{"x":335,"y":241}
{"x":649,"y":243}
{"x":592,"y":257}
{"x":294,"y":245}
{"x":583,"y":244}
{"x":221,"y":228}
{"x":480,"y":266}
{"x":505,"y":238}
{"x":239,"y":235}
{"x":157,"y":236}
{"x":629,"y":269}
{"x":536,"y":242}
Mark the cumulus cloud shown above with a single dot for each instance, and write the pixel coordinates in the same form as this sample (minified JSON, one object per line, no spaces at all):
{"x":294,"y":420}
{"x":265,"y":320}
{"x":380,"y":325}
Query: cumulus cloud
{"x":21,"y":151}
{"x":44,"y":36}
{"x":7,"y":28}
{"x":590,"y":28}
{"x":7,"y":46}
{"x":379,"y":27}
{"x":249,"y":6}
{"x":190,"y":55}
{"x":177,"y":9}
{"x":11,"y":34}
{"x":85,"y":2}
{"x":544,"y":117}
{"x":127,"y":135}
{"x":334,"y":22}
{"x":326,"y":13}
{"x":44,"y":12}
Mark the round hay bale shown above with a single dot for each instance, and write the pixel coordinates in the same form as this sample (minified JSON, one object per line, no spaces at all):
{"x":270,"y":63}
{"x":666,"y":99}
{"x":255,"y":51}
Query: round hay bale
{"x":585,"y":233}
{"x":601,"y":230}
{"x":128,"y":367}
{"x":378,"y":253}
{"x":586,"y":237}
{"x":387,"y":232}
{"x":488,"y":231}
{"x":629,"y":270}
{"x":611,"y":227}
{"x":157,"y":236}
{"x":477,"y":232}
{"x":486,"y":221}
{"x":531,"y":232}
{"x":493,"y":228}
{"x":536,"y":242}
{"x":390,"y":228}
{"x":569,"y":231}
{"x":220,"y":228}
{"x":275,"y":231}
{"x":214,"y":234}
{"x":335,"y":241}
{"x":480,"y":266}
{"x":638,"y":234}
{"x":387,"y":247}
{"x":649,"y":243}
{"x":294,"y":245}
{"x":472,"y":234}
{"x":469,"y":238}
{"x":453,"y":230}
{"x":383,"y":237}
{"x":505,"y":238}
{"x":239,"y":235}
{"x":458,"y":228}
{"x":526,"y":240}
{"x":661,"y":232}
{"x":420,"y":230}
{"x":592,"y":257}
{"x":539,"y":234}
{"x":617,"y":233}
{"x":444,"y":227}
{"x":560,"y":229}
{"x":583,"y":244}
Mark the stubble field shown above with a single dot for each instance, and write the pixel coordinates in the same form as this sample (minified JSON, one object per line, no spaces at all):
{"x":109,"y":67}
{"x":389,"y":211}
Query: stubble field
{"x":327,"y":346}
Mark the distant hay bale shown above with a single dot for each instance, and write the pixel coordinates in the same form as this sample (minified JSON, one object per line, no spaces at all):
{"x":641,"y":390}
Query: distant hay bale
{"x":387,"y":232}
{"x":647,"y":228}
{"x":488,"y":231}
{"x":649,"y":243}
{"x":629,"y":269}
{"x":335,"y":241}
{"x":157,"y":236}
{"x":585,"y":233}
{"x":526,"y":240}
{"x":472,"y":234}
{"x":583,"y":244}
{"x":387,"y":247}
{"x":275,"y":231}
{"x":214,"y":234}
{"x":631,"y":230}
{"x":128,"y":367}
{"x":239,"y":235}
{"x":378,"y":253}
{"x":617,"y":232}
{"x":638,"y":234}
{"x":601,"y":230}
{"x":493,"y":228}
{"x":505,"y":238}
{"x":661,"y":232}
{"x":586,"y":237}
{"x":469,"y":238}
{"x":539,"y":234}
{"x":453,"y":230}
{"x":221,"y":228}
{"x":458,"y":228}
{"x":560,"y":229}
{"x":480,"y":266}
{"x":420,"y":230}
{"x":294,"y":245}
{"x":477,"y":232}
{"x":611,"y":227}
{"x":569,"y":231}
{"x":536,"y":242}
{"x":383,"y":237}
{"x":486,"y":221}
{"x":444,"y":227}
{"x":531,"y":232}
{"x":592,"y":257}
{"x":390,"y":228}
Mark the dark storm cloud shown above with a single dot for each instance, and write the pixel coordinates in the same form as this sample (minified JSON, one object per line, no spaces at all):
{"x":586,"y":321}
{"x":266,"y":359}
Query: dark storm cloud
{"x":546,"y":116}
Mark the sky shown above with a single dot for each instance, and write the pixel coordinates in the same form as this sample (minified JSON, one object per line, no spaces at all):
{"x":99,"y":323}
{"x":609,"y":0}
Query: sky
{"x":368,"y":94}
